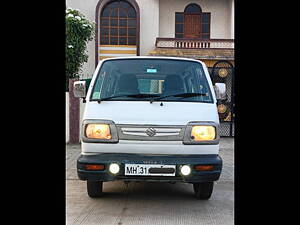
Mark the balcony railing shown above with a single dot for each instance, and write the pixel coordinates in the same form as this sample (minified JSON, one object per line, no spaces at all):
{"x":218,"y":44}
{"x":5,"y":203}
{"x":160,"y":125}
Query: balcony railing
{"x":194,"y":43}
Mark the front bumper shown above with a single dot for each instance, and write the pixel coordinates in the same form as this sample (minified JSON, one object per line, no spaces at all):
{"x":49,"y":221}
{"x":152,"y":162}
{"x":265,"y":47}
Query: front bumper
{"x":122,"y":159}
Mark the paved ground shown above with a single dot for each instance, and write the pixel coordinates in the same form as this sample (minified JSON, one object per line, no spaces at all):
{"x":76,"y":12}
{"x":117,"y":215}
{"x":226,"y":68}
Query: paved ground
{"x":150,"y":203}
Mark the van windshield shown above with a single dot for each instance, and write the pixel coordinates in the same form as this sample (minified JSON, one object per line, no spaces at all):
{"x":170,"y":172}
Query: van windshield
{"x":150,"y":79}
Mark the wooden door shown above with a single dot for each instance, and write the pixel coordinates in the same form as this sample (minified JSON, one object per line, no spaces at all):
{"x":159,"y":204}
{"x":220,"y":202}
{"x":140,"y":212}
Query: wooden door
{"x":192,"y":28}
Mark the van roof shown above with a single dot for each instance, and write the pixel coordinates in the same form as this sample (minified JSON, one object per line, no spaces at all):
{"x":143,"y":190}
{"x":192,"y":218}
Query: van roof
{"x":153,"y":57}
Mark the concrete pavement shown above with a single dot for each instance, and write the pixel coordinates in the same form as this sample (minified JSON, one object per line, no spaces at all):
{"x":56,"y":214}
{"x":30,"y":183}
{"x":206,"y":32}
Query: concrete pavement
{"x":150,"y":203}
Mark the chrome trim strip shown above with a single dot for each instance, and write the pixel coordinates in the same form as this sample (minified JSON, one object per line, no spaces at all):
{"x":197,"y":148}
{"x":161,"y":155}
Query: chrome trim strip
{"x":143,"y":130}
{"x":138,"y":132}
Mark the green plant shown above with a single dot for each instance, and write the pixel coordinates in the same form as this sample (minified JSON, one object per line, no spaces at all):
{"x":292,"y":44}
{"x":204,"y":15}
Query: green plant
{"x":79,"y":31}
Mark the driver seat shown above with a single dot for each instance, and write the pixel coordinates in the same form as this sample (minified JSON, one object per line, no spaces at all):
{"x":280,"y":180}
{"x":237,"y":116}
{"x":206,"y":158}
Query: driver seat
{"x":127,"y":84}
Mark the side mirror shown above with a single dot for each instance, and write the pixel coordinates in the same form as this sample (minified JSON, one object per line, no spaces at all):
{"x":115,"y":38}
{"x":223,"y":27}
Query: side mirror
{"x":79,"y":89}
{"x":220,"y":90}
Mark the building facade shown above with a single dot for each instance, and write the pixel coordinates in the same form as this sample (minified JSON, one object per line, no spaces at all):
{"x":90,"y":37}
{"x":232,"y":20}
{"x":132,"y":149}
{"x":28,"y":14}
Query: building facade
{"x":198,"y":29}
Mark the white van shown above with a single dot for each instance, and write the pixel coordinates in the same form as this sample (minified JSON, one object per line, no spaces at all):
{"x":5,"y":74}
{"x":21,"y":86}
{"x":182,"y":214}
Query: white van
{"x":150,"y":119}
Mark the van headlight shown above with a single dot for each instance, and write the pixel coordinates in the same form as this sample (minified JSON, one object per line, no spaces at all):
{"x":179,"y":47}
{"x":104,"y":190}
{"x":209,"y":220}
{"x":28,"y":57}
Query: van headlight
{"x":99,"y":131}
{"x":201,"y":133}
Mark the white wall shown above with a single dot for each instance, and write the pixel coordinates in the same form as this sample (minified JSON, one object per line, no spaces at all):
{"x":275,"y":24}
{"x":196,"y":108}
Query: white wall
{"x":220,"y":16}
{"x":149,"y":24}
{"x":67,"y":117}
{"x":88,"y":8}
{"x":158,"y":20}
{"x":232,"y":19}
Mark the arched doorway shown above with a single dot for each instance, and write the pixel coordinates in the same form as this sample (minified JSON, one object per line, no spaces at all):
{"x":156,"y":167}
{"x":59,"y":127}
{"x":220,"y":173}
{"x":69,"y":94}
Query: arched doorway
{"x":192,"y":21}
{"x":117,"y":29}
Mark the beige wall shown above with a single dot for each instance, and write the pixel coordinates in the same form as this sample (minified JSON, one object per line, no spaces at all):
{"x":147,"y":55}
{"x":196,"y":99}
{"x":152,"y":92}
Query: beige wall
{"x":220,"y":16}
{"x":232,"y":19}
{"x":149,"y":24}
{"x":67,"y":117}
{"x":157,"y":19}
{"x":87,"y":7}
{"x":149,"y":27}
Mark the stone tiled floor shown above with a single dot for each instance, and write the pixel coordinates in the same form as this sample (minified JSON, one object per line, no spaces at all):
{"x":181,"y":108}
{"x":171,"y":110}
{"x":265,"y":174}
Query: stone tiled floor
{"x":150,"y":203}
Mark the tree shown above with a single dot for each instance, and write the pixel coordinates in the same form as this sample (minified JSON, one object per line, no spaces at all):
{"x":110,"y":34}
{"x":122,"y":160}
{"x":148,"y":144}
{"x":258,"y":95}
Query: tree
{"x":79,"y":31}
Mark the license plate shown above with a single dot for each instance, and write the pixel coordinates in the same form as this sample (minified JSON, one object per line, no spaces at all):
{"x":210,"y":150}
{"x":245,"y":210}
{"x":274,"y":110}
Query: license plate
{"x":149,"y":170}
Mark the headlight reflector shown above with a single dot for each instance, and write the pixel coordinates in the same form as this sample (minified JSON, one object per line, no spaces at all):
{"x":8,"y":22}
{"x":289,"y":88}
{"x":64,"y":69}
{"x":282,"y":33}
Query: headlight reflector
{"x":203,"y":133}
{"x":98,"y":131}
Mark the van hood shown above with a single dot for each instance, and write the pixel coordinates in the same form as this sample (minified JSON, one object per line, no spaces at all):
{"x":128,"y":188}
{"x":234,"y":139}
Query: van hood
{"x":142,"y":112}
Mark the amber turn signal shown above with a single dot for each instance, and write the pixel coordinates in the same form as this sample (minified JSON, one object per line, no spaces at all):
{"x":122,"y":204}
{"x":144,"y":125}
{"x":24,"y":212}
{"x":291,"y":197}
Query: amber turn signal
{"x":94,"y":167}
{"x":204,"y":167}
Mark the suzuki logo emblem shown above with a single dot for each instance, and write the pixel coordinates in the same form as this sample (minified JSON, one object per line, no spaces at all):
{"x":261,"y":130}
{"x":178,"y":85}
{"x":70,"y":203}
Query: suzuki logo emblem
{"x":151,"y":132}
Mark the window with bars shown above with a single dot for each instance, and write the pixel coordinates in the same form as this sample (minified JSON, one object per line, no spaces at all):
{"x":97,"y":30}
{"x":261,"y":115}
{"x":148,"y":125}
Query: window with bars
{"x":118,"y":22}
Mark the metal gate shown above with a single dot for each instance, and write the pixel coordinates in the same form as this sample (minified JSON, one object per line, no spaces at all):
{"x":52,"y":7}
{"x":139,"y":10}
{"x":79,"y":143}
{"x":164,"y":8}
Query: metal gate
{"x":223,"y":72}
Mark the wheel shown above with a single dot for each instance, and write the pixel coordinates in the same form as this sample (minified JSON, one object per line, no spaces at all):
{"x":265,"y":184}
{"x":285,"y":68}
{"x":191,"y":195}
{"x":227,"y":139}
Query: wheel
{"x":94,"y":188}
{"x":203,"y":190}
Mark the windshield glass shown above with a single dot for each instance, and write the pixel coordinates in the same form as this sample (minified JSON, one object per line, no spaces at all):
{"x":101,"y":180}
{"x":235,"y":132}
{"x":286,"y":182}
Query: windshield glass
{"x":146,"y":79}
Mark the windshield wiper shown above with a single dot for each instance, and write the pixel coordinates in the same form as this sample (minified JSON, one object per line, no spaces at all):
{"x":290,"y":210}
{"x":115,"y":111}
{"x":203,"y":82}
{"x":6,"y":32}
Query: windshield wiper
{"x":132,"y":96}
{"x":183,"y":95}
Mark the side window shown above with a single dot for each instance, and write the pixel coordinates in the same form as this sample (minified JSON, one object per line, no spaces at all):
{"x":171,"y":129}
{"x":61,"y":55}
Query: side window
{"x":149,"y":86}
{"x":154,"y":87}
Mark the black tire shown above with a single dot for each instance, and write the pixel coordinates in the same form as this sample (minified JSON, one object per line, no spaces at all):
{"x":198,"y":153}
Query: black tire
{"x":203,"y":191}
{"x":94,"y":188}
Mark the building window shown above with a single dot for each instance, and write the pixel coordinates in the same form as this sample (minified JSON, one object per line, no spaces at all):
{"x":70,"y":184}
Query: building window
{"x":118,"y":24}
{"x":193,"y":9}
{"x":179,"y":23}
{"x":192,"y":23}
